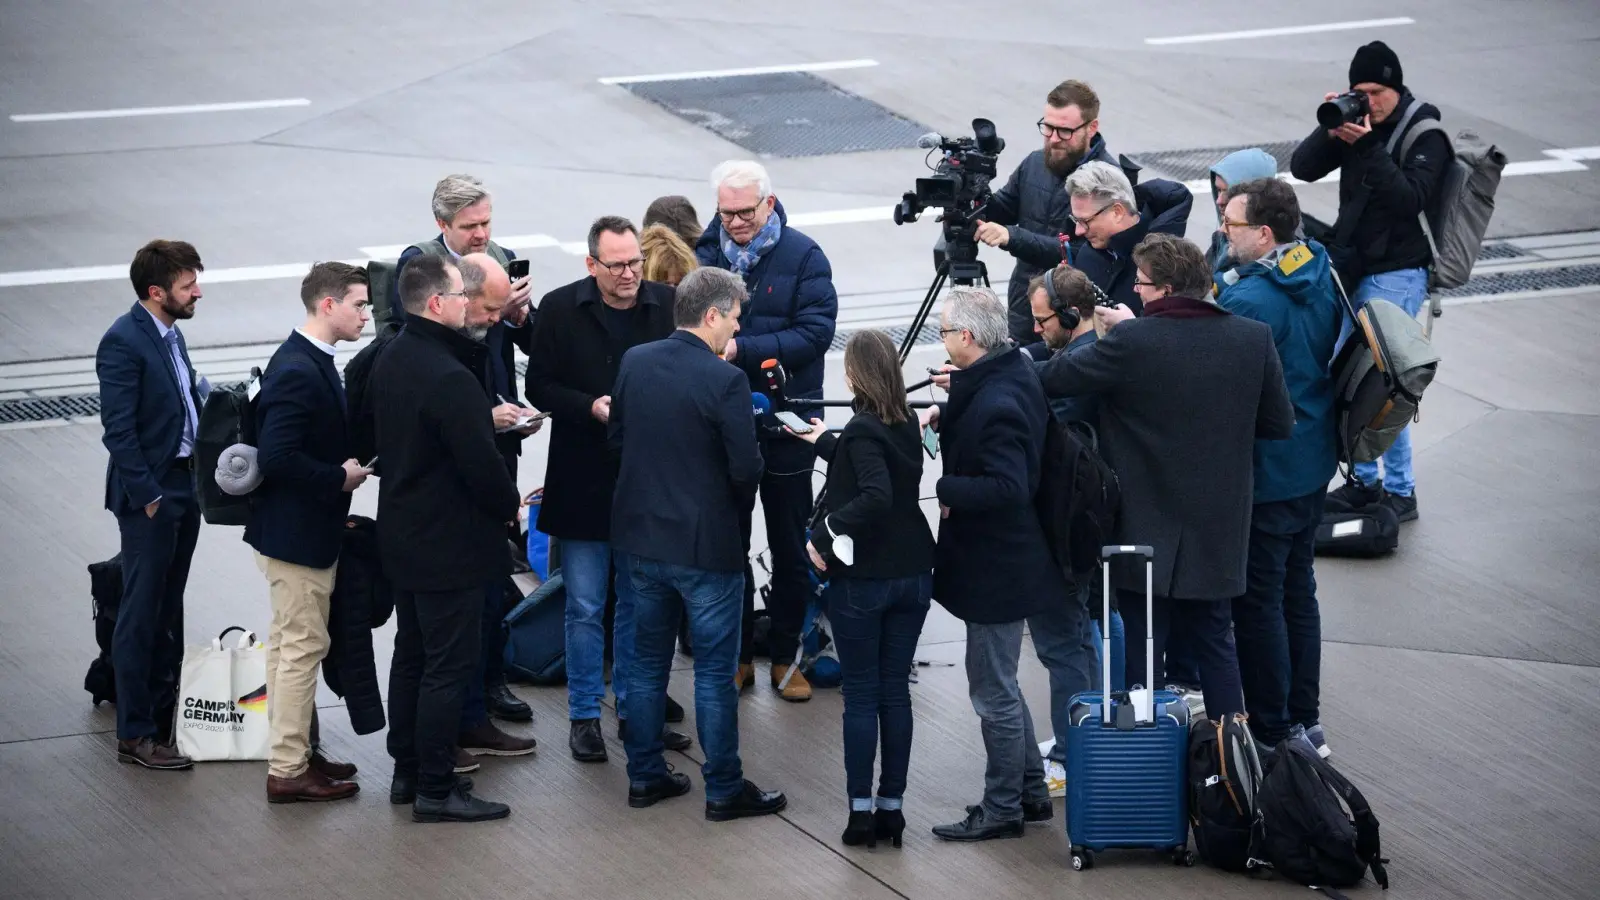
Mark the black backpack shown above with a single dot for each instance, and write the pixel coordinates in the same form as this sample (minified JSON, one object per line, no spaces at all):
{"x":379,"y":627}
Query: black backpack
{"x":105,"y":594}
{"x":1078,"y":498}
{"x":1224,"y":776}
{"x":1312,"y":825}
{"x":228,"y":418}
{"x":1360,"y":533}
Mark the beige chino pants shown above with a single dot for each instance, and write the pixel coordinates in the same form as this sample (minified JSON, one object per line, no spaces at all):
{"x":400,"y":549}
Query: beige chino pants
{"x":295,"y":646}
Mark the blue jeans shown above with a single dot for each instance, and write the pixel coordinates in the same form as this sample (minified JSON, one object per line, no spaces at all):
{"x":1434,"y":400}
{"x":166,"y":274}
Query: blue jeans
{"x":876,"y":623}
{"x":490,"y":668}
{"x":1064,"y":642}
{"x":1276,"y":623}
{"x":1407,"y":289}
{"x":586,"y":571}
{"x":1119,"y":650}
{"x":661,"y":592}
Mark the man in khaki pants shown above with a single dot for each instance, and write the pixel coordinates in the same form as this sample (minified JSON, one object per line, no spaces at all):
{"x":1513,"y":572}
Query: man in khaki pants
{"x":297,"y":521}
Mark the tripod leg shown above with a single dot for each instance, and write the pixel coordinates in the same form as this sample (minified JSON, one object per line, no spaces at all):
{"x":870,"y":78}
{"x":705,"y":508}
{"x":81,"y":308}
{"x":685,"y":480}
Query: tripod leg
{"x":921,"y":317}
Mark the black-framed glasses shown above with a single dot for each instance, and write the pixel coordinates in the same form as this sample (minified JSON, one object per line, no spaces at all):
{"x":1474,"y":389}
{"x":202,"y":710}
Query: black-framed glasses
{"x":636,"y":265}
{"x":1060,"y":131}
{"x":1041,"y":320}
{"x":1084,"y":222}
{"x":746,"y":215}
{"x":1137,"y":282}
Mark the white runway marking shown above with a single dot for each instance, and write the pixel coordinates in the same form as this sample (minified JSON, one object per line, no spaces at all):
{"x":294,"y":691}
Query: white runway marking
{"x":1276,"y":32}
{"x":753,"y":70}
{"x":160,"y":110}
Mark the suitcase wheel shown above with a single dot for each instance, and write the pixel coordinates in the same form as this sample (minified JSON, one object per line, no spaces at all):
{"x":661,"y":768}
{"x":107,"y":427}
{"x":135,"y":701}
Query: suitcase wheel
{"x":1183,"y":857}
{"x":1082,"y":858}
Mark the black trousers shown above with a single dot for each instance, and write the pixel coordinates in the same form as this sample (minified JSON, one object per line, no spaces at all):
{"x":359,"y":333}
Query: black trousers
{"x":1206,"y":628}
{"x":147,"y":645}
{"x":436,"y":652}
{"x":786,"y":501}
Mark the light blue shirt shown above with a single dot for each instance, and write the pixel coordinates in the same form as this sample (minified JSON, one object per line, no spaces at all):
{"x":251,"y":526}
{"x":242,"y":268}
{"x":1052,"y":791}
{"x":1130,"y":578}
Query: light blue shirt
{"x":191,"y":418}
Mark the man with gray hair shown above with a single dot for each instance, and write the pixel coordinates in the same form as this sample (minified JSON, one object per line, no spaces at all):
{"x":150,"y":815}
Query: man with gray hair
{"x":1112,"y":217}
{"x":993,"y":568}
{"x":791,"y":319}
{"x":680,"y":421}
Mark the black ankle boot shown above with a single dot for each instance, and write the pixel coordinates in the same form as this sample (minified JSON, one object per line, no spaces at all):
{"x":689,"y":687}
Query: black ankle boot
{"x":888,"y":824}
{"x":860,"y":830}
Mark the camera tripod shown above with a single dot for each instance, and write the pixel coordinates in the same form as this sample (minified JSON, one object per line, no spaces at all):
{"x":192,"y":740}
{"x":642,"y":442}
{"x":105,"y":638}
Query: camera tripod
{"x":961,"y":273}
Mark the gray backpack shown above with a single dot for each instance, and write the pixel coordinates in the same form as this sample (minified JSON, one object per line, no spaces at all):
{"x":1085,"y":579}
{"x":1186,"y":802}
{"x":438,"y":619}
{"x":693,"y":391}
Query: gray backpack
{"x":1464,"y":203}
{"x":1379,"y":376}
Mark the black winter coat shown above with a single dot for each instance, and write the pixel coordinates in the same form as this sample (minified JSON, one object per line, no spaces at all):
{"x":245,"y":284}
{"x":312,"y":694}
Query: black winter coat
{"x":362,"y":600}
{"x":1163,"y":209}
{"x":1387,"y":236}
{"x":874,"y":476}
{"x":445,"y":496}
{"x":574,"y":361}
{"x":992,"y":564}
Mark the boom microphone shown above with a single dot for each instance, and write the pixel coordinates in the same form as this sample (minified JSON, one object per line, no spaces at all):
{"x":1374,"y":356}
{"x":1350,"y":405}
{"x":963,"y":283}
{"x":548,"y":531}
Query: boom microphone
{"x":930,"y":141}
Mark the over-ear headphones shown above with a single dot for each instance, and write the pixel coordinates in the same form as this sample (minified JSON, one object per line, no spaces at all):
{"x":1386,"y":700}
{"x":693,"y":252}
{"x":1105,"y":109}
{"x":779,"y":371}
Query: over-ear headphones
{"x":1069,"y":316}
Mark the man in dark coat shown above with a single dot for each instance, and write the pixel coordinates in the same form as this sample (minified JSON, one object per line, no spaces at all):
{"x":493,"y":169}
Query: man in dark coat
{"x":1184,"y":392}
{"x":992,"y":567}
{"x":680,"y":421}
{"x":297,"y":521}
{"x":582,"y":332}
{"x":1030,"y":217}
{"x":1112,"y":217}
{"x":790,"y":318}
{"x":443,"y":504}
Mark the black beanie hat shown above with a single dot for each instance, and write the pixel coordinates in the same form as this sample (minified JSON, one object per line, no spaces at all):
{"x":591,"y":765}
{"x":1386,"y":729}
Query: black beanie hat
{"x":1376,"y":63}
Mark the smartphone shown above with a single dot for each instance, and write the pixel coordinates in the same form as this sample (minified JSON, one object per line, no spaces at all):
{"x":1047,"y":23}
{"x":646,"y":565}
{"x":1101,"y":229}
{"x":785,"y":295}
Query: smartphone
{"x":517,"y":268}
{"x":793,"y":422}
{"x":930,"y":441}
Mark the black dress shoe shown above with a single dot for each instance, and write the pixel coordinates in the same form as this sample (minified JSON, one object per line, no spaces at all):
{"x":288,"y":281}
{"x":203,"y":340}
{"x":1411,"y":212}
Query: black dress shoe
{"x":1043,"y":811}
{"x":676,"y":784}
{"x":672,"y":740}
{"x":505,"y":705}
{"x":977,"y":827}
{"x":152,"y":755}
{"x":403,"y":789}
{"x":587,"y":744}
{"x":335,"y":769}
{"x":674,"y":711}
{"x":457,"y":806}
{"x":750,"y":801}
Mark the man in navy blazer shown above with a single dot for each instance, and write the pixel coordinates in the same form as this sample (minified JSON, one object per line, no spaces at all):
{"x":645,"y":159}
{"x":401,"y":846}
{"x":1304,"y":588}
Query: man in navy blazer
{"x":150,"y":401}
{"x":681,"y":420}
{"x":297,"y":519}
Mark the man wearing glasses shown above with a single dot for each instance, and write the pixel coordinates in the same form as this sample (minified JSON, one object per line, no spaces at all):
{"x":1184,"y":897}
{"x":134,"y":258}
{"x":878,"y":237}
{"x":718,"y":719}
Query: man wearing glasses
{"x":1112,"y":218}
{"x":1029,"y":217}
{"x":582,"y":332}
{"x":790,"y":317}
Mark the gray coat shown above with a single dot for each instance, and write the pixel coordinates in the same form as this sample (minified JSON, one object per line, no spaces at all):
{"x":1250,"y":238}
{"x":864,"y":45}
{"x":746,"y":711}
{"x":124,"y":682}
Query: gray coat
{"x":1184,"y":391}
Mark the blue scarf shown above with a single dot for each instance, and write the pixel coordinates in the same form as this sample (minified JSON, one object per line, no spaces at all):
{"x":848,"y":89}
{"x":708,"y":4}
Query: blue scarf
{"x":742,"y":259}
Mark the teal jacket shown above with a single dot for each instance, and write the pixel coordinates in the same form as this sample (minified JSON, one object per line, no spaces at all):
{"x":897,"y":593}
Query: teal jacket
{"x":1291,"y":292}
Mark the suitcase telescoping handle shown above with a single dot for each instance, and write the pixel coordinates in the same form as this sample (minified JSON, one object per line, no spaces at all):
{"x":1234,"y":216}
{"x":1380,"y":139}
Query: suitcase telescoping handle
{"x":1108,"y":553}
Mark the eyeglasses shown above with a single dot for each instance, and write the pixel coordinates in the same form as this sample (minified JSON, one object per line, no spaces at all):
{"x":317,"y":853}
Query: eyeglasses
{"x":1084,"y":222}
{"x":1041,"y":320}
{"x":1229,"y":223}
{"x":1139,"y":283}
{"x":945,"y":331}
{"x":636,"y":265}
{"x":1064,"y":133}
{"x":745,"y":215}
{"x":461,"y":294}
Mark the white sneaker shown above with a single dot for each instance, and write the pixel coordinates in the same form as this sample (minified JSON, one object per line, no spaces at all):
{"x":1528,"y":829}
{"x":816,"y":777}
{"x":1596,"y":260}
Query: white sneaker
{"x":1315,"y":736}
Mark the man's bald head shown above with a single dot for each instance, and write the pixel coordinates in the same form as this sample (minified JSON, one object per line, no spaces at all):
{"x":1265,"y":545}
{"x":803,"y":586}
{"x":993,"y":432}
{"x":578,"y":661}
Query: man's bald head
{"x":488,"y":288}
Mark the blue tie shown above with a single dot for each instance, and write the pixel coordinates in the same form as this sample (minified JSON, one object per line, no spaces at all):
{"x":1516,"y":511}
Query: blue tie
{"x":175,"y":355}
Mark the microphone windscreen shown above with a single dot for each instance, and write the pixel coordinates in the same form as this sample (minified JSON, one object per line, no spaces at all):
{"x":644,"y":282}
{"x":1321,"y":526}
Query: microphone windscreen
{"x":760,"y":403}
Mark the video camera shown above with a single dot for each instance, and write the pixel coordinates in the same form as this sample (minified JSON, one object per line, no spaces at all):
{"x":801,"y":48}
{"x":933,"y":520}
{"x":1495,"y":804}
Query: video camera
{"x":959,"y":187}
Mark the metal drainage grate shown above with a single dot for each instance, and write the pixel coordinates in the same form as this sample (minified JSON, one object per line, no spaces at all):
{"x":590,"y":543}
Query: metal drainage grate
{"x":47,"y":409}
{"x":1501,"y":251}
{"x":1189,"y":165}
{"x":896,"y":333}
{"x":783,"y":114}
{"x":1527,"y":280}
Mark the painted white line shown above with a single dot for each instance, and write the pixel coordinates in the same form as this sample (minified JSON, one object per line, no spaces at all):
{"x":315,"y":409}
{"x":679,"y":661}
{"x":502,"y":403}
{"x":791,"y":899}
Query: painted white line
{"x":62,"y":276}
{"x":1575,"y":153}
{"x":1543,"y":167}
{"x":510,"y":242}
{"x":843,"y":216}
{"x":160,"y":110}
{"x":1277,"y":32}
{"x":753,"y":70}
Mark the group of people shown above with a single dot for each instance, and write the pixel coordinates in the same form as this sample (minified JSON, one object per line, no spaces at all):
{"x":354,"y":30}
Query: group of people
{"x":1202,"y":379}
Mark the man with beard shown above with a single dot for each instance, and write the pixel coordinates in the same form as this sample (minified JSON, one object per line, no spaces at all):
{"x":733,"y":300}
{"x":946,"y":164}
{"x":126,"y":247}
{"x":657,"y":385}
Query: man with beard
{"x":1030,"y":216}
{"x":151,"y":399}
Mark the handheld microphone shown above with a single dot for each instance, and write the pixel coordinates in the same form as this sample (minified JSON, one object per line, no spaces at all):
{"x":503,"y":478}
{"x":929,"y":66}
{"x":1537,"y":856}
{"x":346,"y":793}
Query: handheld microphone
{"x":760,"y":403}
{"x":776,"y":380}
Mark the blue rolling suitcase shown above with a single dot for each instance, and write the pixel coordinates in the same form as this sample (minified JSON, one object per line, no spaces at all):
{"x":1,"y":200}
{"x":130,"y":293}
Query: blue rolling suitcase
{"x":1125,"y":779}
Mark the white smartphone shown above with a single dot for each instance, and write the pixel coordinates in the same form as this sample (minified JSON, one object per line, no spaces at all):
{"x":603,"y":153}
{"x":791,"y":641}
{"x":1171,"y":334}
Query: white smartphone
{"x":793,"y":422}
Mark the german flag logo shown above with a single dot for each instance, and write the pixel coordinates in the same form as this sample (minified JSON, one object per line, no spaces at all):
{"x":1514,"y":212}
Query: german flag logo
{"x":255,"y":701}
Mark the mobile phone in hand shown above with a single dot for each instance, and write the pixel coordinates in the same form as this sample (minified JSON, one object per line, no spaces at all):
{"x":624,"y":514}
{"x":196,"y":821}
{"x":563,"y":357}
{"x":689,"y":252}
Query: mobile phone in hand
{"x":517,"y":268}
{"x":793,"y":422}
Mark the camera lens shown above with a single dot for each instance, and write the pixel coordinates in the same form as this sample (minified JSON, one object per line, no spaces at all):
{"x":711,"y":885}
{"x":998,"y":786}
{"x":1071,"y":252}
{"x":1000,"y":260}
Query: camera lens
{"x":1348,"y":107}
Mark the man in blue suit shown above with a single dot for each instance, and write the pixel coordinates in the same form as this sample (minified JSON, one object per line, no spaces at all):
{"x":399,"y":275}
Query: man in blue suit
{"x":297,"y":521}
{"x":150,"y":401}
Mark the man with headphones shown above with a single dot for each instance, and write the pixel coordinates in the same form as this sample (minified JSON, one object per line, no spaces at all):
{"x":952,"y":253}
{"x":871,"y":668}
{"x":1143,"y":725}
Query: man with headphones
{"x":1063,"y":301}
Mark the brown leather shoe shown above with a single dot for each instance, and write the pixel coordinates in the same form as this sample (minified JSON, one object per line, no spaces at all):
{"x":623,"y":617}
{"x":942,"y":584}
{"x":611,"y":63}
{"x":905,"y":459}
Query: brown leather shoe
{"x":487,"y":740}
{"x":465,"y":762}
{"x":309,"y":786}
{"x":146,"y":752}
{"x":338,"y":771}
{"x":797,"y":691}
{"x":744,"y":676}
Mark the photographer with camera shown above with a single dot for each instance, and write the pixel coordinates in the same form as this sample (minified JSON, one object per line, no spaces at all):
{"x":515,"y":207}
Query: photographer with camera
{"x":1029,"y":215}
{"x":1378,"y":243}
{"x":1113,"y":217}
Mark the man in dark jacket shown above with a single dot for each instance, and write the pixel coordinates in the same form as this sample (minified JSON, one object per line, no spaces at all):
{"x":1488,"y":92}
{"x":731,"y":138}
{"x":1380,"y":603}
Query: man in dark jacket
{"x":1378,"y":237}
{"x":297,"y":518}
{"x":443,"y":503}
{"x":1185,"y":391}
{"x":680,"y":422}
{"x":583,"y":330}
{"x":1030,"y":217}
{"x":1112,"y":216}
{"x":992,"y":567}
{"x":1285,"y":283}
{"x":790,"y":318}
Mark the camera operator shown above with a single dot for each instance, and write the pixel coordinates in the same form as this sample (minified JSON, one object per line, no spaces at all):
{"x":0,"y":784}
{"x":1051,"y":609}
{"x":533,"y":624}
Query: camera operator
{"x":1378,"y":243}
{"x":790,"y":318}
{"x":1113,"y":217}
{"x":1028,"y":216}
